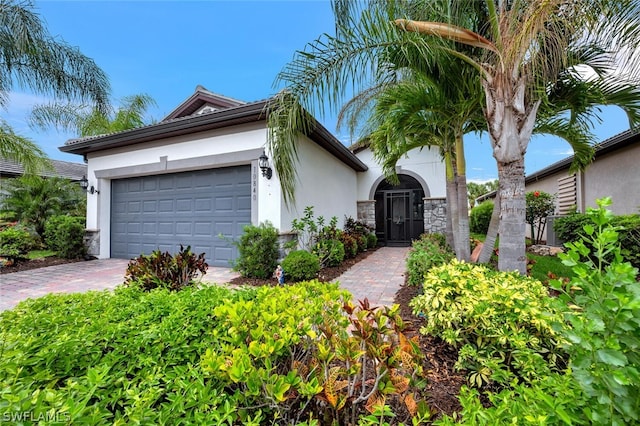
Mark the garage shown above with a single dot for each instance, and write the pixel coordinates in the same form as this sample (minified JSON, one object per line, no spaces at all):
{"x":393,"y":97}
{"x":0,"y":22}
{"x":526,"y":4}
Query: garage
{"x":190,"y":208}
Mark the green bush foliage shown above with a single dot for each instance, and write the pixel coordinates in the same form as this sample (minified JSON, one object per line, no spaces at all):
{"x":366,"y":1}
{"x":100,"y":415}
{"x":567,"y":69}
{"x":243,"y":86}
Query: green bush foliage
{"x":600,"y":327}
{"x":329,"y":252}
{"x":502,"y":323}
{"x":603,"y":339}
{"x":65,"y":236}
{"x":210,"y":355}
{"x":16,"y":242}
{"x":350,"y":245}
{"x":164,"y":270}
{"x":123,"y":357}
{"x":300,"y":265}
{"x":428,"y":251}
{"x":258,"y":251}
{"x":291,"y":350}
{"x":570,"y":228}
{"x":372,"y":240}
{"x":480,"y":217}
{"x":359,"y":231}
{"x":34,"y":199}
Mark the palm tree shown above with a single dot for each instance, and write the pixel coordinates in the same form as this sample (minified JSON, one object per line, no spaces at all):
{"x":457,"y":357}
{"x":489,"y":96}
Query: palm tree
{"x":34,"y":199}
{"x":524,"y":53}
{"x":417,"y":112}
{"x":530,"y":50}
{"x":31,"y":58}
{"x":85,"y":120}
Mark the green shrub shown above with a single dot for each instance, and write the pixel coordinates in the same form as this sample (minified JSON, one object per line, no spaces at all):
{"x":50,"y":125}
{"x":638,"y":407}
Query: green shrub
{"x":16,"y":242}
{"x":164,"y":270}
{"x":604,"y":317}
{"x":258,"y":251}
{"x":350,"y":245}
{"x":123,"y":357}
{"x":300,"y":265}
{"x":329,"y":252}
{"x":372,"y":240}
{"x":428,"y":251}
{"x":480,"y":217}
{"x":65,"y":236}
{"x":570,"y":228}
{"x":500,"y":322}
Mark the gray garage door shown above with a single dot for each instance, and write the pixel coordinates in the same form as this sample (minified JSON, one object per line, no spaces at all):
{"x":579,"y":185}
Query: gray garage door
{"x":189,"y":208}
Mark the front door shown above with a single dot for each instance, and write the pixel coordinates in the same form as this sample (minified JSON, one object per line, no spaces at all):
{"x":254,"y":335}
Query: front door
{"x":398,"y":217}
{"x":399,"y":211}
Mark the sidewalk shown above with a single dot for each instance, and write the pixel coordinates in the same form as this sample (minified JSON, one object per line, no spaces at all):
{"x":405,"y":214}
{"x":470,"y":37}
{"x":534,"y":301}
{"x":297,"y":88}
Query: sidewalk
{"x":378,"y":278}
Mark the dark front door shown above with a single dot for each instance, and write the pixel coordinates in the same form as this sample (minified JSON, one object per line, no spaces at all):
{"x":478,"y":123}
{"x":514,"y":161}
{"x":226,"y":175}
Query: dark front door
{"x":398,"y":217}
{"x":399,"y":211}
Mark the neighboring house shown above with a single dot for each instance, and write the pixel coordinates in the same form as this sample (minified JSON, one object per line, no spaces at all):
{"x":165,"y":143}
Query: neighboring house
{"x":63,"y":169}
{"x":195,"y":175}
{"x":614,"y":173}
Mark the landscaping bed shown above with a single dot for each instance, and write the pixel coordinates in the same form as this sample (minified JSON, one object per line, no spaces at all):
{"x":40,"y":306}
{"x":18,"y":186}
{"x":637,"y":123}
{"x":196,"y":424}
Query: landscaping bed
{"x":28,"y":264}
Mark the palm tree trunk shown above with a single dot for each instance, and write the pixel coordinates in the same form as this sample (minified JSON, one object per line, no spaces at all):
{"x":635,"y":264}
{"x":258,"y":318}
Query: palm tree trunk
{"x":464,"y":249}
{"x":452,"y":202}
{"x":512,"y":253}
{"x":492,"y":232}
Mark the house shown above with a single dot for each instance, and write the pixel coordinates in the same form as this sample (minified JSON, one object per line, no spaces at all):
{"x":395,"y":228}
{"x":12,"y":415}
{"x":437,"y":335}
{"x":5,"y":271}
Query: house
{"x":613,"y":173}
{"x":196,"y":176}
{"x":64,"y":169}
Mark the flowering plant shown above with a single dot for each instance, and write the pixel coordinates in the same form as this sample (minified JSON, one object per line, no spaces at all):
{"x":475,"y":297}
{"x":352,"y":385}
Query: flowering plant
{"x":539,"y":205}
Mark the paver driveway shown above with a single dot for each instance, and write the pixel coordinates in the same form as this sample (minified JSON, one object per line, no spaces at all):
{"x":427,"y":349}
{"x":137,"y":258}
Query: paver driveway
{"x":377,"y":277}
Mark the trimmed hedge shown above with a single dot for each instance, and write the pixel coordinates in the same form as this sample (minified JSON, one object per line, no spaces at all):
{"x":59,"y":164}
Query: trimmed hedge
{"x":65,"y":235}
{"x":300,"y":265}
{"x":480,"y":217}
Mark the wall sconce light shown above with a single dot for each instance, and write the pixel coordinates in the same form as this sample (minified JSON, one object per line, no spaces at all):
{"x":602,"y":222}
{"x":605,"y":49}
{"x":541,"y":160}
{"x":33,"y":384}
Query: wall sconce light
{"x":263,"y":163}
{"x":84,"y":184}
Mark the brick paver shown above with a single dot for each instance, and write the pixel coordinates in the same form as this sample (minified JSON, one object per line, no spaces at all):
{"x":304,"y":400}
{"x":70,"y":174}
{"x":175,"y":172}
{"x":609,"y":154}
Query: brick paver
{"x":377,"y":278}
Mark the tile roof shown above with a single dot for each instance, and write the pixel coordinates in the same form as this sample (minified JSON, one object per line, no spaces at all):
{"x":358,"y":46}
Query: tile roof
{"x":64,"y":169}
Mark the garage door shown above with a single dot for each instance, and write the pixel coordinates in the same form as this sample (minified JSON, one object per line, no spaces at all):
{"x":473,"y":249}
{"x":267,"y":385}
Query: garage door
{"x":189,"y":208}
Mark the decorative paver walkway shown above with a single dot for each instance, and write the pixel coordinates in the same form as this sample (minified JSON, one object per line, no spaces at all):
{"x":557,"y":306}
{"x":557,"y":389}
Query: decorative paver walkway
{"x":377,"y":278}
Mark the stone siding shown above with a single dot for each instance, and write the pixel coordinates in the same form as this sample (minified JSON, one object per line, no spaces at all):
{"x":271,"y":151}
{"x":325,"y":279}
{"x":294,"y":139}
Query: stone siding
{"x":435,"y":215}
{"x":367,"y":212}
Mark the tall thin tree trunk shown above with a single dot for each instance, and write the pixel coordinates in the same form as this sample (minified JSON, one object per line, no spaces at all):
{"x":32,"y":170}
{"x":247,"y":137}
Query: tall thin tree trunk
{"x":492,"y":232}
{"x":512,"y":250}
{"x":452,"y":201}
{"x":464,"y":251}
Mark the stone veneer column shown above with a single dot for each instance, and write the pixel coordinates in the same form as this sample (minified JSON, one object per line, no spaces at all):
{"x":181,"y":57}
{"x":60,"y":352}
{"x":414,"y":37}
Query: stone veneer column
{"x":367,"y":212}
{"x":435,"y":215}
{"x":92,"y":241}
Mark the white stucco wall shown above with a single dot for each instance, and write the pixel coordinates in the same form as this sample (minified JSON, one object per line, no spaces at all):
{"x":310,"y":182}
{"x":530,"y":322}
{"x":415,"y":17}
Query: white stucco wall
{"x":204,"y":150}
{"x":325,"y":183}
{"x":425,"y":163}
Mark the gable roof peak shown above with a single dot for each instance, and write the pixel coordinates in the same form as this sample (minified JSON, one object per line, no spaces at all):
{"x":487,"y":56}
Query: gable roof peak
{"x":202,"y":97}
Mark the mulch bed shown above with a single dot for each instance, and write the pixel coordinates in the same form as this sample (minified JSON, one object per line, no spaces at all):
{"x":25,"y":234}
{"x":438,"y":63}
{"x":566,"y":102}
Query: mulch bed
{"x":326,"y":274}
{"x":26,"y":265}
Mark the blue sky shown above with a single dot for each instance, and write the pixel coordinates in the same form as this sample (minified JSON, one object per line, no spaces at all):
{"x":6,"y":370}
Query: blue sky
{"x":235,"y":48}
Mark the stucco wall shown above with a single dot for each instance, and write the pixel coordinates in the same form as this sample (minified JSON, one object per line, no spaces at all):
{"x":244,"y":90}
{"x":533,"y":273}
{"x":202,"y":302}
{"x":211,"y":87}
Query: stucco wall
{"x":325,"y":183}
{"x":616,"y":175}
{"x":233,"y":146}
{"x":425,"y":163}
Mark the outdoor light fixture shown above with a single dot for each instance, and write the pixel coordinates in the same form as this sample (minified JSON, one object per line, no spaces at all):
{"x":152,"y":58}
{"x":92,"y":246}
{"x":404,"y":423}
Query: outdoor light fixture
{"x":263,"y":162}
{"x":84,"y":184}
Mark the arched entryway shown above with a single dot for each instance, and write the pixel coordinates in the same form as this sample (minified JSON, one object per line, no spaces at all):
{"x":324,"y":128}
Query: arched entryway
{"x":399,"y":211}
